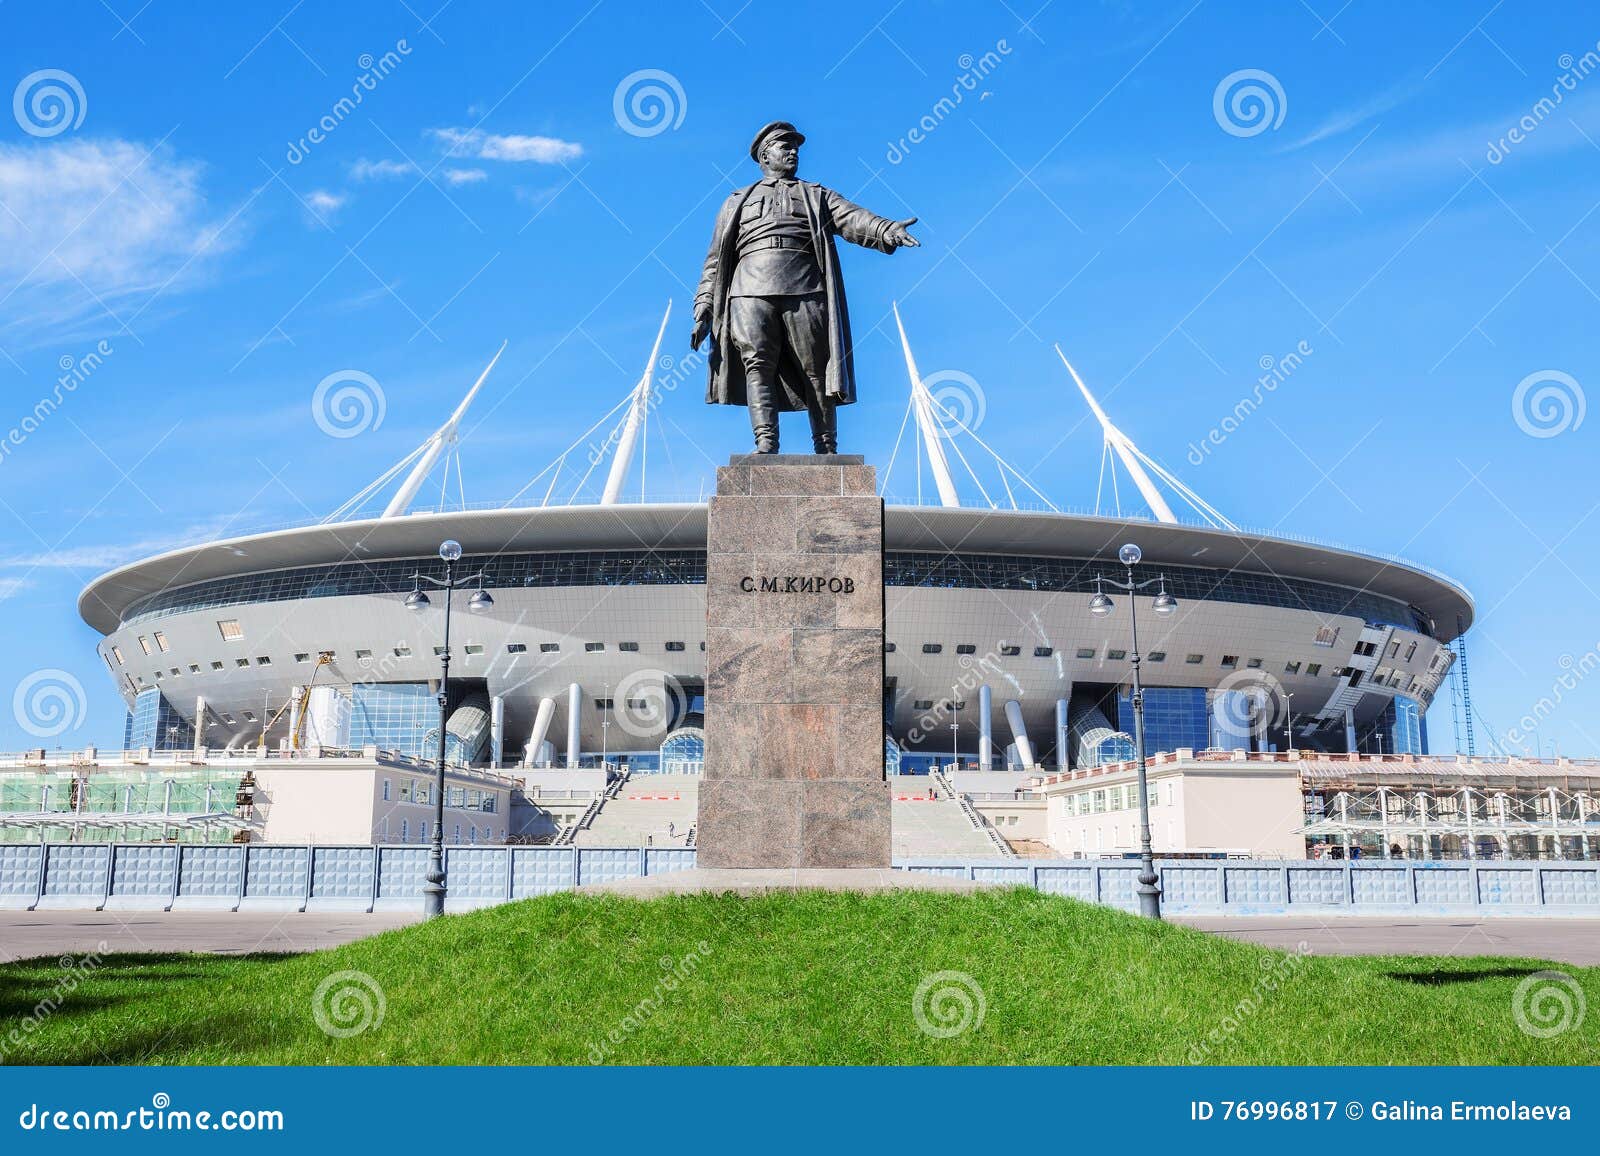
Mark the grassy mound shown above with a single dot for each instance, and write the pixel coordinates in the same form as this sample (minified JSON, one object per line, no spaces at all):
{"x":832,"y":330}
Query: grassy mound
{"x":998,"y":977}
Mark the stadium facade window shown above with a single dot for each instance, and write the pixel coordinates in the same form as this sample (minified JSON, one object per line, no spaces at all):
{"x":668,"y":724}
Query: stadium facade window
{"x":1087,"y":652}
{"x":1043,"y":651}
{"x":363,"y":656}
{"x":302,"y":656}
{"x":1116,"y":655}
{"x":241,"y":662}
{"x":474,"y":648}
{"x":1291,"y":668}
{"x":230,"y":630}
{"x":1195,"y":659}
{"x":1229,"y":661}
{"x":116,"y":652}
{"x":402,"y":652}
{"x":675,"y":647}
{"x":688,"y":567}
{"x":516,"y":647}
{"x":1313,"y":669}
{"x":1156,"y":656}
{"x":628,"y":647}
{"x":263,"y":660}
{"x":966,"y":648}
{"x":161,"y":642}
{"x":1008,"y":650}
{"x":594,"y":647}
{"x":154,"y":724}
{"x":549,"y":647}
{"x":1174,"y":718}
{"x":1254,"y":664}
{"x":932,"y":647}
{"x":215,"y":665}
{"x":393,"y":716}
{"x":144,"y":644}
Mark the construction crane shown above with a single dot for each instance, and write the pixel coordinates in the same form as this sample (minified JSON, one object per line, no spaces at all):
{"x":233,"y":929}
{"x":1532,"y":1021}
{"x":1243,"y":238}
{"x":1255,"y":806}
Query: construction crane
{"x":298,"y":705}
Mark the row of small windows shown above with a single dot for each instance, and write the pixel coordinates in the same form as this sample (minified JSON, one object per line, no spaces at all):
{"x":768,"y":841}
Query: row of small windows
{"x":474,"y":833}
{"x":420,"y":792}
{"x":1116,"y":654}
{"x":366,"y":655}
{"x":688,"y":567}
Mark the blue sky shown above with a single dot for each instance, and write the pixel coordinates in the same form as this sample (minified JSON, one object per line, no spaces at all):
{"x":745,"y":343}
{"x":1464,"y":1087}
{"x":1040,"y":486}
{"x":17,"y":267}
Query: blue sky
{"x":1403,"y":205}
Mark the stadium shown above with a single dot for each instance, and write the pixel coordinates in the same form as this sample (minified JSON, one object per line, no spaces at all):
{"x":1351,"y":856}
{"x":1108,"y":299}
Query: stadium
{"x":578,"y":666}
{"x":592,"y":650}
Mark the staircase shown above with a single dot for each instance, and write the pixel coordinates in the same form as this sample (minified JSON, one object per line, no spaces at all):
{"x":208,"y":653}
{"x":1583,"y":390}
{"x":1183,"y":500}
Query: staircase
{"x":649,"y":810}
{"x":944,"y":827}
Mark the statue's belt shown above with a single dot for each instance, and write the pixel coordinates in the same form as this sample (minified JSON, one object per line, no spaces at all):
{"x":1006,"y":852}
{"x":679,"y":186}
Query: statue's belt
{"x":775,"y":242}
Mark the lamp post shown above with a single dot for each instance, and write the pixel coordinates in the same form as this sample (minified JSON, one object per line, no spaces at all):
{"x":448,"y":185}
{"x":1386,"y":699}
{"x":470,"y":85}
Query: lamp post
{"x":1100,"y":605}
{"x":1288,"y":705}
{"x":449,"y":550}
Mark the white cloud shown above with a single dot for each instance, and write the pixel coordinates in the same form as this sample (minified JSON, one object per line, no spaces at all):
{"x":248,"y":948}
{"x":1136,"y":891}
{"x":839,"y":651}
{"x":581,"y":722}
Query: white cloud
{"x":365,"y":170}
{"x":10,"y":586}
{"x":110,"y":555}
{"x":1346,"y":119}
{"x":325,"y":204}
{"x":544,"y":150}
{"x":90,"y":226}
{"x":465,"y":176}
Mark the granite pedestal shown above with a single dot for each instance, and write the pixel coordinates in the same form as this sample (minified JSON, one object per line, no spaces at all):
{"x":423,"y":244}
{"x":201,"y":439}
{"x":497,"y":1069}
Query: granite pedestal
{"x":793,"y":771}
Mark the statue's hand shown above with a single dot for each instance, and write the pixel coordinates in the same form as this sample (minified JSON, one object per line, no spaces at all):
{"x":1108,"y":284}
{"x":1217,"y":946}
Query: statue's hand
{"x":702,"y":330}
{"x":899,"y":234}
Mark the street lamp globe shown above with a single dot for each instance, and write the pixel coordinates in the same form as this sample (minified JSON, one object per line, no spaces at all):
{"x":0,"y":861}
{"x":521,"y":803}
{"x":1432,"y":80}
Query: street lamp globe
{"x":1099,"y":605}
{"x":450,"y":550}
{"x":1130,"y":554}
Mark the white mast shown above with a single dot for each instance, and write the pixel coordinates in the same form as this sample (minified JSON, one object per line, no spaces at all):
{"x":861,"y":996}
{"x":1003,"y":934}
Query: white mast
{"x":435,"y":446}
{"x":622,"y":459}
{"x":932,"y":433}
{"x":1125,"y":450}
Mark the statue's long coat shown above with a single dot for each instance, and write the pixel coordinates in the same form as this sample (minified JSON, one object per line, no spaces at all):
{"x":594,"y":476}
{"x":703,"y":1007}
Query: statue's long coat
{"x":830,"y":215}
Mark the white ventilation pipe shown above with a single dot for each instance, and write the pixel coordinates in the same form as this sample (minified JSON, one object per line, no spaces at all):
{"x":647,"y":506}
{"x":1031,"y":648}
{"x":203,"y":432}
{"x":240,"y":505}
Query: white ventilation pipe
{"x":1019,"y":732}
{"x":541,"y":727}
{"x":497,"y":730}
{"x":1061,"y":733}
{"x":985,"y":728}
{"x":574,"y":706}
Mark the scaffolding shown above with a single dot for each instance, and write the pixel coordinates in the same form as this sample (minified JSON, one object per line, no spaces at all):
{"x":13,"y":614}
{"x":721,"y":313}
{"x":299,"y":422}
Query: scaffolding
{"x":1515,"y":815}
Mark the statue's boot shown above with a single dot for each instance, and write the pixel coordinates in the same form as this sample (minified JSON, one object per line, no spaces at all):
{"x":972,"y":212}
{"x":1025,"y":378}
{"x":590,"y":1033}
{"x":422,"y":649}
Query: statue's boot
{"x":824,"y":427}
{"x":763,"y":415}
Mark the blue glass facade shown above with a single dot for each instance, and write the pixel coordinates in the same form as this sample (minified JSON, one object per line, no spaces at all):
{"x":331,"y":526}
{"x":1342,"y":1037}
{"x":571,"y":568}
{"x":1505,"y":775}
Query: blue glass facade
{"x":154,"y":724}
{"x":684,"y":752}
{"x":394,"y":716}
{"x":1402,"y":728}
{"x":1174,"y":717}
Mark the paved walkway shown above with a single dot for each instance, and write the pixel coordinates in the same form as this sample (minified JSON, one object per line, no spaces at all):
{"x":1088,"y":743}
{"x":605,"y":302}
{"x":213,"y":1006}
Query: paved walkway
{"x":1568,"y":940}
{"x":746,"y":881}
{"x":24,"y":934}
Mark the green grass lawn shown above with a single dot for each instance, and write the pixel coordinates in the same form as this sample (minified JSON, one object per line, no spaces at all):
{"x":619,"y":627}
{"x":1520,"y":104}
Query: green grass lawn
{"x":808,"y":978}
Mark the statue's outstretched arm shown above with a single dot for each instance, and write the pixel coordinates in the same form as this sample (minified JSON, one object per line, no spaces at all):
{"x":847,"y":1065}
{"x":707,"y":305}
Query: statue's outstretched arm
{"x":863,"y":227}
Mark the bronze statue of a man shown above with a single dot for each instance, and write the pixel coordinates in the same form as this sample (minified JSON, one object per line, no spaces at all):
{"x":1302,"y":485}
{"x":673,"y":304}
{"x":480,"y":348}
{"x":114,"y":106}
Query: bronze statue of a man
{"x":771,"y":296}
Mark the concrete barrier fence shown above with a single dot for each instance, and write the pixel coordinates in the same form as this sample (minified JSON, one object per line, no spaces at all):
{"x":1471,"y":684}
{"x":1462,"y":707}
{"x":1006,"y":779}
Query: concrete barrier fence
{"x":259,"y":876}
